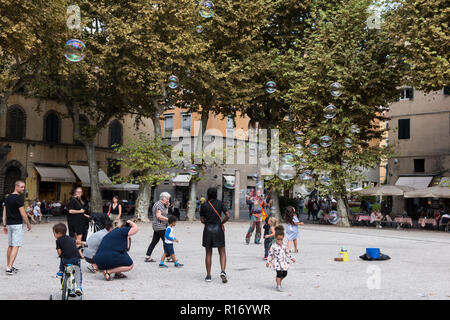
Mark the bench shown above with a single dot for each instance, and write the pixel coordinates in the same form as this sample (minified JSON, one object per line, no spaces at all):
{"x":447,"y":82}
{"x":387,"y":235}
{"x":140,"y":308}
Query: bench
{"x":45,"y":217}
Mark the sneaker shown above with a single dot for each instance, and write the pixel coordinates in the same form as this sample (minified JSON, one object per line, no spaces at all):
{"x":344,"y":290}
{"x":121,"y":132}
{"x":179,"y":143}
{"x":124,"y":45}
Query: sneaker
{"x":265,"y":258}
{"x":162,"y":265}
{"x":208,"y":279}
{"x":223,"y":275}
{"x":59,"y":275}
{"x":15,"y":270}
{"x":178,"y":265}
{"x":279,"y":289}
{"x":72,"y":293}
{"x":79,"y":291}
{"x":247,"y":241}
{"x":9,"y":272}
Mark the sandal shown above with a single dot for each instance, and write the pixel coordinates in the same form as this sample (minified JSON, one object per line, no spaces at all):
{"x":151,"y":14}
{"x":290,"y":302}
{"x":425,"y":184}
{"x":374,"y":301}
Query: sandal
{"x":120,"y":276}
{"x":107,"y":275}
{"x":149,"y":259}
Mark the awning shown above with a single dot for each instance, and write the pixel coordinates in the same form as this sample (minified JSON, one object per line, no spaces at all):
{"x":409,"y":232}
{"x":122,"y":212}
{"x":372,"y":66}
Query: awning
{"x":54,"y":174}
{"x":414,"y":182}
{"x":82,"y":173}
{"x":386,"y":190}
{"x":123,"y":187}
{"x":181,"y":180}
{"x":432,"y":192}
{"x":230,"y":182}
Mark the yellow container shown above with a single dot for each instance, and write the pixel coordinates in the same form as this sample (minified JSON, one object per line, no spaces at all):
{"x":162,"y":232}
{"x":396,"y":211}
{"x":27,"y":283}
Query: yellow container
{"x":344,"y":254}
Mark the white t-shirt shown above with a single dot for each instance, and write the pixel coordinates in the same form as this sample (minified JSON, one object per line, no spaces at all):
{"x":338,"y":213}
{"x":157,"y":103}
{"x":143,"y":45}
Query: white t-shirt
{"x":37,"y":211}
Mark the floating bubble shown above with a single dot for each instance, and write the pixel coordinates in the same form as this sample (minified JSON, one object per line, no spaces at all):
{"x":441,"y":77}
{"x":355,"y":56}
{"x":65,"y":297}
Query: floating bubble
{"x":268,"y":177}
{"x":173,"y":82}
{"x":325,"y":141}
{"x":74,"y":50}
{"x":206,"y":9}
{"x":354,"y":128}
{"x":254,"y":176}
{"x":336,"y":89}
{"x":228,"y":184}
{"x":307,"y":175}
{"x":348,"y":142}
{"x":314,"y":149}
{"x":288,"y":158}
{"x":299,"y":136}
{"x":325,"y":180}
{"x":194,"y":170}
{"x":302,"y":163}
{"x":271,"y":87}
{"x":298,"y":150}
{"x":199,"y":29}
{"x":330,"y":111}
{"x":286,"y":172}
{"x":259,"y":186}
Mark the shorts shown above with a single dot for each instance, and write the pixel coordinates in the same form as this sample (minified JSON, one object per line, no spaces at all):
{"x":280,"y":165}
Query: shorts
{"x":281,"y":274}
{"x":168,"y":249}
{"x":15,"y":235}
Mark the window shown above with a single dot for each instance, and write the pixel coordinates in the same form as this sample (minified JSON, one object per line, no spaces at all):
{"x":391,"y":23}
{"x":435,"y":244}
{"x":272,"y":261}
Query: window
{"x":447,"y":90}
{"x":365,"y":184}
{"x":113,"y":168}
{"x":407,"y":94}
{"x":15,"y":123}
{"x":230,"y":123}
{"x":403,"y":129}
{"x":186,"y":122}
{"x":115,"y":133}
{"x":419,"y":165}
{"x":168,"y":126}
{"x":52,"y":127}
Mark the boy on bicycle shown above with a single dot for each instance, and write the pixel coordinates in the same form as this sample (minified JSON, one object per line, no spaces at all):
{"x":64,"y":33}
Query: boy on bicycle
{"x":69,"y":254}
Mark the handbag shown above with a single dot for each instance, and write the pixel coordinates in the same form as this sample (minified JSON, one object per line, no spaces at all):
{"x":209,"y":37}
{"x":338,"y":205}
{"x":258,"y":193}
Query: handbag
{"x":220,"y":218}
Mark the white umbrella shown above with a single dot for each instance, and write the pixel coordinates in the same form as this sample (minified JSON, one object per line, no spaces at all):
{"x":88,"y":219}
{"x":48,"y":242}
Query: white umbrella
{"x":386,"y":190}
{"x":432,"y":192}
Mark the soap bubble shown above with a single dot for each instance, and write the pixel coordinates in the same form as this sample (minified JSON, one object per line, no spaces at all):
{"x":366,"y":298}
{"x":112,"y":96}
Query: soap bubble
{"x":194,"y":170}
{"x":325,"y":141}
{"x":348,"y":142}
{"x":288,"y":158}
{"x":299,"y":136}
{"x":330,"y":111}
{"x":354,"y":128}
{"x":302,"y":163}
{"x":336,"y":89}
{"x":298,"y":150}
{"x":254,"y":176}
{"x":199,"y":29}
{"x":314,"y":149}
{"x":173,"y":82}
{"x":288,"y":119}
{"x":286,"y":172}
{"x":74,"y":50}
{"x":325,"y":180}
{"x":206,"y":9}
{"x":228,"y":184}
{"x":306,"y":175}
{"x":271,"y":87}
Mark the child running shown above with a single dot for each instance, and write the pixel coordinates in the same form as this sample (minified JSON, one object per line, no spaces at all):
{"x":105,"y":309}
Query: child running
{"x":292,"y":228}
{"x":168,"y":244}
{"x":68,"y":252}
{"x":279,"y":257}
{"x":269,"y":234}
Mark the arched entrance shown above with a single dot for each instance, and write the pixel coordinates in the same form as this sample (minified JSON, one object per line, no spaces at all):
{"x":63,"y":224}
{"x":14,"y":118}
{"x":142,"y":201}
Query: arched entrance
{"x":10,"y":173}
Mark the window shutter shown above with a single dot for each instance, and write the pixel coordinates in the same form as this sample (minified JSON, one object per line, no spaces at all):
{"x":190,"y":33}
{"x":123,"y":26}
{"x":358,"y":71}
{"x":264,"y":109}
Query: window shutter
{"x":403,"y":129}
{"x":411,"y":93}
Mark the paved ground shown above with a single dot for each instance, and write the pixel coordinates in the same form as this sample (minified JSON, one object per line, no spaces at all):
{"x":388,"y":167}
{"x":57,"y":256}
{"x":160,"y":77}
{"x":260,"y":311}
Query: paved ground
{"x":419,"y":268}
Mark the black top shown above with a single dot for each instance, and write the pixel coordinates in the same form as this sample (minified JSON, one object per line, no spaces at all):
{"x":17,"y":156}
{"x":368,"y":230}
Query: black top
{"x":68,"y":247}
{"x":266,"y":229}
{"x":208,"y":212}
{"x":13,"y":203}
{"x":76,"y":204}
{"x":116,"y":209}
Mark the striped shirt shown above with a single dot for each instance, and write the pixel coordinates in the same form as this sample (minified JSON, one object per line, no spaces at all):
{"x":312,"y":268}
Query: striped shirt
{"x":157,"y":224}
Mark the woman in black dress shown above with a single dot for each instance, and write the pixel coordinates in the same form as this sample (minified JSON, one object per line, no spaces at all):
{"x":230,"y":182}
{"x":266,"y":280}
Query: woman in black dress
{"x":214,"y":232}
{"x":115,"y":208}
{"x":76,"y":218}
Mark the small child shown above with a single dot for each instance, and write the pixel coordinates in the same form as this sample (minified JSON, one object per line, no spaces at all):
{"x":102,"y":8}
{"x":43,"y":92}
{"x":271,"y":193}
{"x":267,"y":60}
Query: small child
{"x":68,"y":252}
{"x":269,"y":234}
{"x":168,"y":244}
{"x":279,"y":257}
{"x":292,"y":228}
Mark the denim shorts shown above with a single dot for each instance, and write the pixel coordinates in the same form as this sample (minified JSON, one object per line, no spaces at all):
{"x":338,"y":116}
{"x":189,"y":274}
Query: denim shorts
{"x":15,"y":235}
{"x":168,"y":249}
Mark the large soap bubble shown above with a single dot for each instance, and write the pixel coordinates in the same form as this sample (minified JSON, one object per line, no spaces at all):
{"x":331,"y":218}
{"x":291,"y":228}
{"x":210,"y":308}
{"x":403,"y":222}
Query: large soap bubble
{"x":325,"y":141}
{"x":314,"y":149}
{"x":271,"y":87}
{"x":286,"y":172}
{"x":336,"y":89}
{"x":206,"y":9}
{"x":173,"y":82}
{"x":74,"y":50}
{"x":330,"y":111}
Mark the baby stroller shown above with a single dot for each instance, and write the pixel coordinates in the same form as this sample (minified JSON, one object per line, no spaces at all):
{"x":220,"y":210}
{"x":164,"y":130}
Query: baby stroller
{"x":97,"y":221}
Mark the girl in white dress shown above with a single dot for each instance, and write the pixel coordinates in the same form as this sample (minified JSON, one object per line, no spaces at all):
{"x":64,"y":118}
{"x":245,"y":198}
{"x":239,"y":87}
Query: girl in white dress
{"x":292,"y":228}
{"x":279,"y":257}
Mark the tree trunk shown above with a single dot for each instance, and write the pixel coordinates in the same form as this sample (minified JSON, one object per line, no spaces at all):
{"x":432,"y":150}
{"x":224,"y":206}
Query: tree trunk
{"x":96,"y":198}
{"x":275,"y":205}
{"x":142,"y":203}
{"x":190,"y":216}
{"x":342,"y":209}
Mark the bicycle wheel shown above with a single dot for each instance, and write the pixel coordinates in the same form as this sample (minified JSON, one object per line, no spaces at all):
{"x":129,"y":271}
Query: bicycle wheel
{"x":65,"y":289}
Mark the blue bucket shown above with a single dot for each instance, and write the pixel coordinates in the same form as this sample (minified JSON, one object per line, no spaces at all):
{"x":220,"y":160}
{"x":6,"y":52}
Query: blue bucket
{"x":373,"y":253}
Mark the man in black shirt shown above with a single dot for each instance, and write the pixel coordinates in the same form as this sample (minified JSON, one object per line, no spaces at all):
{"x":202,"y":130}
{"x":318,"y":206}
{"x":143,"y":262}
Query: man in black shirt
{"x":13,"y":216}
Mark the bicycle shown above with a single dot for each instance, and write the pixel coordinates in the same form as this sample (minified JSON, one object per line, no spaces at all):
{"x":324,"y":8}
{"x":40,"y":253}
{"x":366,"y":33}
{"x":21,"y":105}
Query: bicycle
{"x":68,"y":283}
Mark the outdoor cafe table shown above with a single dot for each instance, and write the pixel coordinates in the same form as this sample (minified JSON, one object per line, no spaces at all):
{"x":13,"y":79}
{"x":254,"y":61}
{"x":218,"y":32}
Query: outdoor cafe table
{"x":424,"y":221}
{"x":400,"y":220}
{"x":363,"y":217}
